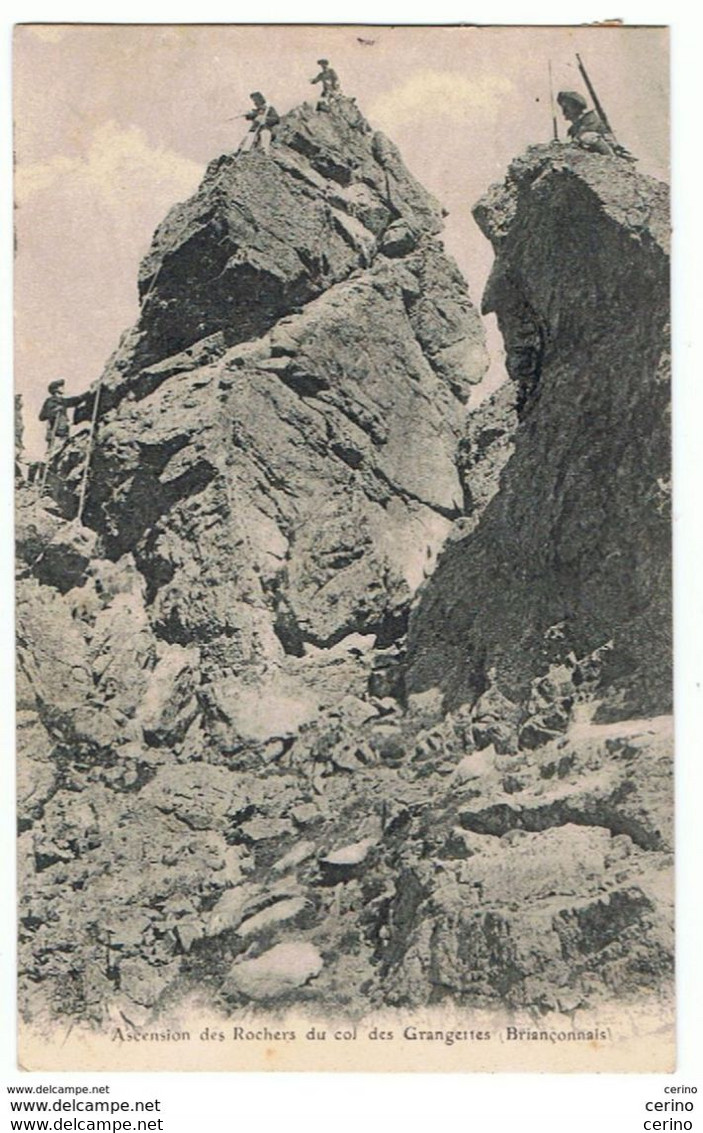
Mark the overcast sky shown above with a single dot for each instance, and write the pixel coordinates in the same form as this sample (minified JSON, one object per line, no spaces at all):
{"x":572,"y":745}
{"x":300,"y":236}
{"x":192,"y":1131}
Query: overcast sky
{"x":114,"y":124}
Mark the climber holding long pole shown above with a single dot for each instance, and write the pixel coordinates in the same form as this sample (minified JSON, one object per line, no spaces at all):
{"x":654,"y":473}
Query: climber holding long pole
{"x":89,"y":452}
{"x":610,"y":140}
{"x":263,"y":118}
{"x":54,"y":412}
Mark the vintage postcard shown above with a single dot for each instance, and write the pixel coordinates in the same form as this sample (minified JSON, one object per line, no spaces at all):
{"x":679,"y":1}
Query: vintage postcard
{"x":344,"y":664}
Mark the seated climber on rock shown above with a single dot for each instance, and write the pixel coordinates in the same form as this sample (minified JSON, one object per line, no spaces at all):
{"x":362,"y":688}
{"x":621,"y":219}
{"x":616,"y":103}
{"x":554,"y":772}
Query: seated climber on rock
{"x":55,"y":412}
{"x":587,"y":128}
{"x":330,"y":83}
{"x":263,"y":118}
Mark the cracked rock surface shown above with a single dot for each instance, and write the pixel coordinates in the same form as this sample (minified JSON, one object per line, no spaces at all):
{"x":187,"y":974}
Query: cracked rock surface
{"x":237,"y":779}
{"x":578,"y":537}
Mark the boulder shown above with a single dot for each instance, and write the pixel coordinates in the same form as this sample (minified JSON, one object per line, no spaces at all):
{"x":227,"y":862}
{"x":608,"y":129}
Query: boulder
{"x":277,"y":972}
{"x":169,"y":706}
{"x":347,"y":861}
{"x":278,"y":913}
{"x":299,"y":853}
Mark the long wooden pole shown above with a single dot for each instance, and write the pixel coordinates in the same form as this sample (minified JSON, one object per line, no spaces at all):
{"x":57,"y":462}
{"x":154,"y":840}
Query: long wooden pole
{"x":89,"y":450}
{"x":555,"y":131}
{"x":49,"y":455}
{"x":591,"y":90}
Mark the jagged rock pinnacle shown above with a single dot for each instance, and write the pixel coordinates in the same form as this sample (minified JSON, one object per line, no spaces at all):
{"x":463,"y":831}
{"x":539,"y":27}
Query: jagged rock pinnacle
{"x":267,"y":232}
{"x":277,"y":436}
{"x":579,"y":533}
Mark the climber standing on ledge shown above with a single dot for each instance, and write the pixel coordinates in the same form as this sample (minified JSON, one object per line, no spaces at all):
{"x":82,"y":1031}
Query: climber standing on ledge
{"x":54,"y":412}
{"x":330,"y":82}
{"x":263,"y":118}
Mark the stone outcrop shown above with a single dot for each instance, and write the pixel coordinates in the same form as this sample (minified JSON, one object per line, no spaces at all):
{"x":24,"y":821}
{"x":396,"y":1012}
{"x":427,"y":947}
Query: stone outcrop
{"x":573,"y":553}
{"x":277,"y":435}
{"x":237,"y":785}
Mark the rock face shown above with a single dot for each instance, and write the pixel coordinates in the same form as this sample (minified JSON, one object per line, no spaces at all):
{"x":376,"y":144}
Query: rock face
{"x":573,"y":553}
{"x":235,"y":781}
{"x":277,"y":435}
{"x":485,"y":448}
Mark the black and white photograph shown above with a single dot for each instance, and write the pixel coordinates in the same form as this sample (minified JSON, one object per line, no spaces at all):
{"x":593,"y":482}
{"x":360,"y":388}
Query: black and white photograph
{"x":344,"y":548}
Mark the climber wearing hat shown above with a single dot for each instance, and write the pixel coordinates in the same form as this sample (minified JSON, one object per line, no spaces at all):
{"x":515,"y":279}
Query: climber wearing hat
{"x":329,"y":79}
{"x":54,"y":411}
{"x":262,"y":118}
{"x":587,"y":129}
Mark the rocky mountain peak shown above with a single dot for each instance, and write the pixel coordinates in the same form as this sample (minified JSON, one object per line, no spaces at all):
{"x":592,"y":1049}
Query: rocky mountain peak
{"x":277,"y":434}
{"x":214,"y":677}
{"x":269,"y":231}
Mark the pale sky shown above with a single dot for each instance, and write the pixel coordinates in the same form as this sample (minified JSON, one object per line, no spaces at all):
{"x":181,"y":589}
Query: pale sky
{"x":114,"y":124}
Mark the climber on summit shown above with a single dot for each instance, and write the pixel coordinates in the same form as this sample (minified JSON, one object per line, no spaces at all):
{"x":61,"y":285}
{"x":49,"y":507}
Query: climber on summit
{"x":263,"y":118}
{"x":54,"y":412}
{"x":330,"y":82}
{"x":587,"y":129}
